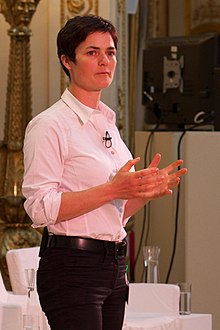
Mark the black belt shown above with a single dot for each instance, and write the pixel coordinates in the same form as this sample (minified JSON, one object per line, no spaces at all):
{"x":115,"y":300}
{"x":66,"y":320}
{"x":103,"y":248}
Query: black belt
{"x":116,"y":249}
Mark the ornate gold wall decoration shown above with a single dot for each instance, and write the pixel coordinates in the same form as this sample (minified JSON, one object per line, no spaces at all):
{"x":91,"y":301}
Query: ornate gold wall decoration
{"x":80,"y":6}
{"x":71,"y":8}
{"x":15,"y":230}
{"x":202,"y":16}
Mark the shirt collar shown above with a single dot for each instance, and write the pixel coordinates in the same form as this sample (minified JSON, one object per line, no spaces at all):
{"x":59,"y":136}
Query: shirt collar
{"x":84,"y":112}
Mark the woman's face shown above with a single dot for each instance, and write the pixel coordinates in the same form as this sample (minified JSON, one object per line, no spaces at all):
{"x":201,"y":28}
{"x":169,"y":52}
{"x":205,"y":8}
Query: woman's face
{"x":95,"y":62}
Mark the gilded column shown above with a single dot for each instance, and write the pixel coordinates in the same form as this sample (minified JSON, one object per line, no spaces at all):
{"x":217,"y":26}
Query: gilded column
{"x":15,"y":230}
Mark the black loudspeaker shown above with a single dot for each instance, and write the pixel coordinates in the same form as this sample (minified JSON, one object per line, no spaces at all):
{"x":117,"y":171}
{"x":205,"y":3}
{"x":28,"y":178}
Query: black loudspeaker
{"x":217,"y":98}
{"x":178,"y":80}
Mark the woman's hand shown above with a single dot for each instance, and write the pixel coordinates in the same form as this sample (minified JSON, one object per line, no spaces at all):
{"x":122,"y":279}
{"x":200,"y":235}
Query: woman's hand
{"x":129,"y":185}
{"x":148,"y":183}
{"x":164,"y":181}
{"x":171,"y":176}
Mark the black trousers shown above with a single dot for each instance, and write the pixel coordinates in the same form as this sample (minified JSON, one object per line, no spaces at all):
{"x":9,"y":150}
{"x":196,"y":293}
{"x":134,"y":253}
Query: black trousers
{"x":81,"y":290}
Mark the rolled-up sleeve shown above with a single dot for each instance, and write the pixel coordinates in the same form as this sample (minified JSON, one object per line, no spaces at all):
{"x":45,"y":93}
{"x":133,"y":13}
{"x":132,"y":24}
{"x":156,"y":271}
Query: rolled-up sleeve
{"x":44,"y":150}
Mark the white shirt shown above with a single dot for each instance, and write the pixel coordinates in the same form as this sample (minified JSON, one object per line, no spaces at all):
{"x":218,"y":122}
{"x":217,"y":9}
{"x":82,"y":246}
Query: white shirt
{"x":64,"y":151}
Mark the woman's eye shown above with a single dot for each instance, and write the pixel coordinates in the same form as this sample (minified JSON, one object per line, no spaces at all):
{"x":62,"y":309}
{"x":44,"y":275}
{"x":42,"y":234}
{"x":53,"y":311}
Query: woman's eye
{"x":111,"y":53}
{"x":91,"y":52}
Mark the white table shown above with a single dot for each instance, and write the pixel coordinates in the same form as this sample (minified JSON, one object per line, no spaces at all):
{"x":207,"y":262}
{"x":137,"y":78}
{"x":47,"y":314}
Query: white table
{"x":196,"y":321}
{"x":155,"y":321}
{"x":151,"y":321}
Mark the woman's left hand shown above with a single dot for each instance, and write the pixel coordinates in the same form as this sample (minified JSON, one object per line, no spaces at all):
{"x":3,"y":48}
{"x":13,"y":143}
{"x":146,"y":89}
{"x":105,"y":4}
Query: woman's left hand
{"x":170,"y":178}
{"x":171,"y":174}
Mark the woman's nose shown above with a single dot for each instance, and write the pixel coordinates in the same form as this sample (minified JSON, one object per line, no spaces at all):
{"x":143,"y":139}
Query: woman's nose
{"x":103,"y":59}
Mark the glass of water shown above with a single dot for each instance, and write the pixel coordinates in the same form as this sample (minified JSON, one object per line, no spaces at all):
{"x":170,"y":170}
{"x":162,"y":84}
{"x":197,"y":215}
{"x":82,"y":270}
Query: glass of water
{"x":185,"y":298}
{"x":30,"y":276}
{"x":151,"y":264}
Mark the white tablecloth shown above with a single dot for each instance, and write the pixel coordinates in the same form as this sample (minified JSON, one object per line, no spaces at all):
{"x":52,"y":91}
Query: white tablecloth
{"x":154,"y":321}
{"x":151,"y":321}
{"x":196,"y":321}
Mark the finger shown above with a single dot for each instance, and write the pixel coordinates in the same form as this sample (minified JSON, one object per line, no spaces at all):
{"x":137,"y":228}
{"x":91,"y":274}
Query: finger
{"x":173,"y":183}
{"x":146,"y":172}
{"x":156,"y":160}
{"x":155,"y":193}
{"x":151,"y":184}
{"x":179,"y":173}
{"x":171,"y":167}
{"x":130,"y":164}
{"x":153,"y":180}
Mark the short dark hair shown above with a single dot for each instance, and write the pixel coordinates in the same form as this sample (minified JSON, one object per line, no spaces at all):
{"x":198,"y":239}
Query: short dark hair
{"x":76,"y":31}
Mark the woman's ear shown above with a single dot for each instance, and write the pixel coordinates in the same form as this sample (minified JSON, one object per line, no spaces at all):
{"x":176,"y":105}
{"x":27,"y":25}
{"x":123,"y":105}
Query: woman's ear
{"x":66,"y":61}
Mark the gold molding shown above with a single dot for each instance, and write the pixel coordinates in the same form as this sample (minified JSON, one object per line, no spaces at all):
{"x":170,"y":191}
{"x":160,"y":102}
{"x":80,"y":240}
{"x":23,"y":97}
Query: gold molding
{"x":71,"y":8}
{"x":202,"y":17}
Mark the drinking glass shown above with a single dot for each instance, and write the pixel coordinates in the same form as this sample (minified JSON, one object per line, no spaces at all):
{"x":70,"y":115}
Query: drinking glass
{"x":30,"y":275}
{"x":151,"y":263}
{"x":185,"y":298}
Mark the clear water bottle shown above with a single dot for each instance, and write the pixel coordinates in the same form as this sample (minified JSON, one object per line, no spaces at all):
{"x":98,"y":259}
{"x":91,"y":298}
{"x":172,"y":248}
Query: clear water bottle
{"x":151,"y":264}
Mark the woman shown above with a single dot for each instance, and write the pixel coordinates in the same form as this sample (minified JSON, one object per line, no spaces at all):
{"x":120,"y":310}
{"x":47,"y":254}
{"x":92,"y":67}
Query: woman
{"x":79,"y":182}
